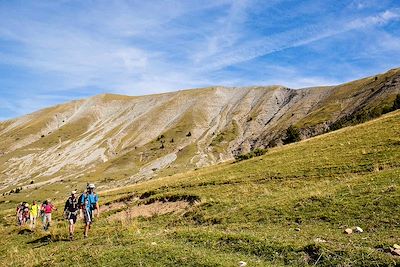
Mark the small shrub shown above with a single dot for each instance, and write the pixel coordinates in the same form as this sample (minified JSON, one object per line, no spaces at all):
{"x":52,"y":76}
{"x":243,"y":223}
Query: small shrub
{"x":255,"y":153}
{"x":387,"y":109}
{"x":272,"y":143}
{"x":292,"y":135}
{"x":260,"y":151}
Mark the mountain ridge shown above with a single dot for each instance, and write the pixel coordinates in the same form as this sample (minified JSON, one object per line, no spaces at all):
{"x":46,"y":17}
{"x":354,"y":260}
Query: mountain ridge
{"x":132,"y":138}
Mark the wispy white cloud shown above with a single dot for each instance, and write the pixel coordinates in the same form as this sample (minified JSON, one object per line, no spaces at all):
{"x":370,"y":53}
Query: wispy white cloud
{"x":294,"y":38}
{"x":139,"y":47}
{"x":366,"y":4}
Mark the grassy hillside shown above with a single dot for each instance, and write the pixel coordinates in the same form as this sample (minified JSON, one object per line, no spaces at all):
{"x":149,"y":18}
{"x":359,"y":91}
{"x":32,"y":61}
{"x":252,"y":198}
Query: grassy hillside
{"x":372,"y":95}
{"x":288,"y":207}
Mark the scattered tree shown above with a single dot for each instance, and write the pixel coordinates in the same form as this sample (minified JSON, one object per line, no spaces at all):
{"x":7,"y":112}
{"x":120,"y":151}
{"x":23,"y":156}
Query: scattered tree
{"x":255,"y":153}
{"x":292,"y":135}
{"x":272,"y":143}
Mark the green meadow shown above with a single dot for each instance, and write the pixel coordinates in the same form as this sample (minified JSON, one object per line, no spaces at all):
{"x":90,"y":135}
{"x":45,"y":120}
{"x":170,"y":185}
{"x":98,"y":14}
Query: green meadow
{"x":287,"y":207}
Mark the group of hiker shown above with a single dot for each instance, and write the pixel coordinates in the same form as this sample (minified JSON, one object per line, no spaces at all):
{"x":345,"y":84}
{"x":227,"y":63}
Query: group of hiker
{"x":30,"y":214}
{"x":85,"y":205}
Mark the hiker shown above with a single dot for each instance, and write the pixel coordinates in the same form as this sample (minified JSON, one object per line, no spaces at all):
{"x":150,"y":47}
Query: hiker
{"x":19,"y":212}
{"x":33,"y":214}
{"x":71,"y":210}
{"x":42,"y":210}
{"x":48,"y":209}
{"x":25,"y":213}
{"x":89,"y":201}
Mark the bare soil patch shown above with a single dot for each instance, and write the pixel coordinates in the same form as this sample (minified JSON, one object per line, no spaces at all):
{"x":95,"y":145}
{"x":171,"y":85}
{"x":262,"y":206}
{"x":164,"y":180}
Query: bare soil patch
{"x":150,"y":210}
{"x":112,"y":206}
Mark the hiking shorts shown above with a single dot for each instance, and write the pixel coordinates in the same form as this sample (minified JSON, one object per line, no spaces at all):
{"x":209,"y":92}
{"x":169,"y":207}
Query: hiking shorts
{"x":72,"y":217}
{"x":88,"y":215}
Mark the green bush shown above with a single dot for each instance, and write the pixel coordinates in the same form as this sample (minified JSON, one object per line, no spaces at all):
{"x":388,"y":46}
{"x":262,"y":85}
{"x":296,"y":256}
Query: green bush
{"x":254,"y":153}
{"x":292,"y":135}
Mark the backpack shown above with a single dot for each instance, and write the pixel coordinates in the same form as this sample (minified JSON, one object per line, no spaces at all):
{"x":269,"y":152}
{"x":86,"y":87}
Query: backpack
{"x":21,"y":209}
{"x":84,"y":200}
{"x":25,"y":212}
{"x":81,"y":201}
{"x":73,"y":204}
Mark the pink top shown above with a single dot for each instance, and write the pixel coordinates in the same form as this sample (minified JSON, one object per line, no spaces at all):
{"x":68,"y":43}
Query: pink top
{"x":48,"y":208}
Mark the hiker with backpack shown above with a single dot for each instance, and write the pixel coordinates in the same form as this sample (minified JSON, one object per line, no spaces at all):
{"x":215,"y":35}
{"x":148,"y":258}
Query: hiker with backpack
{"x":33,"y":214}
{"x":48,"y":209}
{"x":19,"y":213}
{"x":89,"y":201}
{"x":71,"y":210}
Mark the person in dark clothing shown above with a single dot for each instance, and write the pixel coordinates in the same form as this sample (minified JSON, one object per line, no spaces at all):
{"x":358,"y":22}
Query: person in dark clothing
{"x":71,"y":210}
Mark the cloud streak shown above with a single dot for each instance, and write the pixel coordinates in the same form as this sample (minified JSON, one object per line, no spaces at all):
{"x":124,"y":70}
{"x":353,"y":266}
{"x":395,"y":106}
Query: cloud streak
{"x":294,"y":38}
{"x":75,"y":49}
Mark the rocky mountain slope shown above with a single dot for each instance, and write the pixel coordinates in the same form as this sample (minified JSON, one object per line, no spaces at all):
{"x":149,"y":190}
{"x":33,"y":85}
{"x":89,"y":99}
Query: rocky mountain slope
{"x":114,"y":139}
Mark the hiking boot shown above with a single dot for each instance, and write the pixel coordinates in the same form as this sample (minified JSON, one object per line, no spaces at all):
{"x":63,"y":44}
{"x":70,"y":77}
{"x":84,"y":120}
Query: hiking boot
{"x":71,"y":237}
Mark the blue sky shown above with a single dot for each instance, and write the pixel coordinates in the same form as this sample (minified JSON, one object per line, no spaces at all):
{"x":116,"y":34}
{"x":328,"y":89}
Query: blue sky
{"x":55,"y":51}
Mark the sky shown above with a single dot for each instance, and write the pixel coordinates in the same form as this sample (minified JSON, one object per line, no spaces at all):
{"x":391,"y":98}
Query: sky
{"x":57,"y":51}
